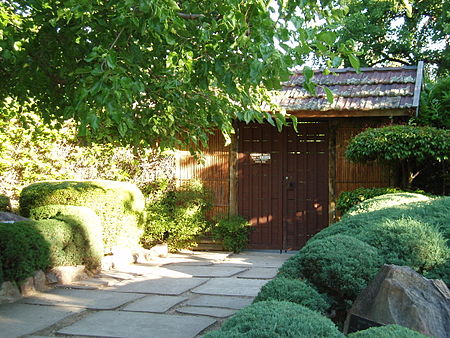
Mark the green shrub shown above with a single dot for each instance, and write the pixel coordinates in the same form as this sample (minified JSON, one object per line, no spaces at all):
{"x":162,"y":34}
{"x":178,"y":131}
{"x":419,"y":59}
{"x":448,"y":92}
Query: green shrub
{"x":433,"y":212}
{"x":406,"y":241}
{"x":339,"y":265}
{"x":23,"y":250}
{"x":5,"y":203}
{"x":386,"y":201}
{"x":269,"y":319}
{"x":120,"y":205}
{"x":233,"y":232}
{"x":295,"y":291}
{"x":388,"y":331}
{"x":176,"y":215}
{"x":290,"y":268}
{"x":83,"y":233}
{"x":348,"y":199}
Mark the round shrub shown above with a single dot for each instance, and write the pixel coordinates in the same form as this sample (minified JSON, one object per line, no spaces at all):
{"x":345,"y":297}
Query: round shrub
{"x":23,"y":250}
{"x":83,"y":233}
{"x":290,"y":268}
{"x":276,"y":319}
{"x":233,"y":232}
{"x":386,"y":201}
{"x":295,"y":291}
{"x":388,"y":331}
{"x":348,"y":199}
{"x":341,"y":265}
{"x":120,"y":206}
{"x":407,"y":241}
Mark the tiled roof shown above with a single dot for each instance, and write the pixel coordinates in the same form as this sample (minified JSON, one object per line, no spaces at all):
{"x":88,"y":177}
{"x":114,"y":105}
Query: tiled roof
{"x":372,"y":89}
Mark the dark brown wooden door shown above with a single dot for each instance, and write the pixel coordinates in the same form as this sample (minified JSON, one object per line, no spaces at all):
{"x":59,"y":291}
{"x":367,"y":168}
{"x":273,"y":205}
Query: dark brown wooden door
{"x":283,"y":183}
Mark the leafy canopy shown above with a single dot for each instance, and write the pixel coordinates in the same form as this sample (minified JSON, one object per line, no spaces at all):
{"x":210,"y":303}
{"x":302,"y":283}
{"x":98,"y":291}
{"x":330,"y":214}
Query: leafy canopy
{"x":156,"y":72}
{"x":411,"y":147}
{"x":387,"y":32}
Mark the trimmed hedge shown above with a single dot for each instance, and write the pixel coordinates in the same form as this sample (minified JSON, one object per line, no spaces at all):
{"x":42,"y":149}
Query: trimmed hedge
{"x":295,"y":291}
{"x":339,"y":265}
{"x":388,"y":331}
{"x":407,"y":241}
{"x":349,"y":199}
{"x":83,"y":234}
{"x":386,"y":201}
{"x":269,"y":319}
{"x":290,"y":268}
{"x":23,"y":250}
{"x":120,"y":205}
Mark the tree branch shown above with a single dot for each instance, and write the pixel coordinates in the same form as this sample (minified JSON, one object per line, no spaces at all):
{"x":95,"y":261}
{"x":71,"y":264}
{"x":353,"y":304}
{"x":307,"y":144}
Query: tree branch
{"x":190,"y":16}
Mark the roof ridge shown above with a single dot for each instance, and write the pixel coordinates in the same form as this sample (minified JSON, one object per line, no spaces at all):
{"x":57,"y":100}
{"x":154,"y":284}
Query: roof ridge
{"x":362,"y":69}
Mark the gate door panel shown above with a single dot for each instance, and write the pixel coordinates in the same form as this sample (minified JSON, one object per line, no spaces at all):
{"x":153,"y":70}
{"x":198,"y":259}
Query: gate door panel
{"x":305,"y":168}
{"x":283,"y":183}
{"x":260,"y":192}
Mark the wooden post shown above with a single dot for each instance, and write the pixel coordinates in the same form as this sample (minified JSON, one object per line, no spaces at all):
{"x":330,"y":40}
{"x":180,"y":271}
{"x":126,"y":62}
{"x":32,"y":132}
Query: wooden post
{"x":332,"y":172}
{"x":233,"y":160}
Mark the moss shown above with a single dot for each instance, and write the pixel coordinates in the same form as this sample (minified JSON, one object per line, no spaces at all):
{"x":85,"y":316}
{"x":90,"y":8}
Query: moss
{"x":119,"y":205}
{"x":295,"y":291}
{"x":269,"y":319}
{"x":23,"y":250}
{"x":388,"y":331}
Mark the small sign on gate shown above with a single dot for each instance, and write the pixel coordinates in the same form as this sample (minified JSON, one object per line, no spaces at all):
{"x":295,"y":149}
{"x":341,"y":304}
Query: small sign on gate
{"x":260,"y":157}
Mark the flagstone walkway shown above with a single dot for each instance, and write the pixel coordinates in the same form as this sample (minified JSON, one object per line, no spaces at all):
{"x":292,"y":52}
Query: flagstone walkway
{"x":184,"y":295}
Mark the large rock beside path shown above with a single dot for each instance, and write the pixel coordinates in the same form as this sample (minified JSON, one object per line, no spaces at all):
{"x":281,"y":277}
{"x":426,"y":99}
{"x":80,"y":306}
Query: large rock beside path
{"x":399,"y":295}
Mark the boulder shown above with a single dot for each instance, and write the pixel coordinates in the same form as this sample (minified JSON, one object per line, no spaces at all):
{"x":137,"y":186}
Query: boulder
{"x":399,"y":295}
{"x":9,"y":217}
{"x":9,"y":292}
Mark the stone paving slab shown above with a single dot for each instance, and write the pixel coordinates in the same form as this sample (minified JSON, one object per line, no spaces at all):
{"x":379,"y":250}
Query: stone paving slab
{"x":259,"y":273}
{"x":162,"y":286}
{"x":207,"y":271}
{"x":258,"y":259}
{"x":206,"y":311}
{"x":90,"y":299}
{"x":220,"y":301}
{"x":155,"y":303}
{"x":231,"y":287}
{"x":20,"y":319}
{"x":137,"y":325}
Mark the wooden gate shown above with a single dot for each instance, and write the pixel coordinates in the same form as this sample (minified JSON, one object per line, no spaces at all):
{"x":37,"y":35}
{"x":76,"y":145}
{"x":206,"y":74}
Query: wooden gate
{"x":283,"y":183}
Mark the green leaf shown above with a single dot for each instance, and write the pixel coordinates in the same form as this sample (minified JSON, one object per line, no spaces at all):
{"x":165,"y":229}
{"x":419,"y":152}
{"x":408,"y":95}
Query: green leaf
{"x":329,"y":94}
{"x":308,"y":73}
{"x":354,"y":61}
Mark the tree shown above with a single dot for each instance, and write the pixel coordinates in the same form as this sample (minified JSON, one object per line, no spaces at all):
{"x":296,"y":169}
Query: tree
{"x":387,"y":33}
{"x":435,"y":104}
{"x":156,"y":72}
{"x":409,"y":146}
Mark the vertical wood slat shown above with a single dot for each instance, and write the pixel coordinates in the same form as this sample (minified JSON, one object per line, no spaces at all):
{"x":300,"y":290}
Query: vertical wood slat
{"x":348,"y":175}
{"x":212,"y":171}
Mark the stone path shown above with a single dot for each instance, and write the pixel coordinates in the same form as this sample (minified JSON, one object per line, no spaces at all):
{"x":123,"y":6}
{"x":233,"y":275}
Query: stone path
{"x":184,"y":295}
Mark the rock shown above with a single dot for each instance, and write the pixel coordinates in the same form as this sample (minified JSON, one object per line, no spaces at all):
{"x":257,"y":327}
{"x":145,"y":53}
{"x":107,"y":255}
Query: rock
{"x":67,"y":274}
{"x":9,"y":217}
{"x":143,"y":255}
{"x":40,"y":281}
{"x":27,"y":287}
{"x":399,"y":295}
{"x":9,"y":292}
{"x":51,"y":278}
